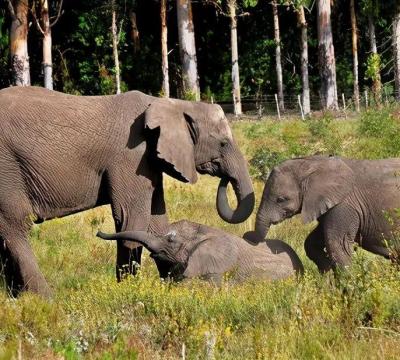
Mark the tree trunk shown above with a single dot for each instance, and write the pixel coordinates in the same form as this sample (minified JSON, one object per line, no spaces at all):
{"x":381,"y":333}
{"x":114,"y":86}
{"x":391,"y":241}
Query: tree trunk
{"x":356,"y":88}
{"x":47,"y":65}
{"x":237,"y":103}
{"x":326,"y":52}
{"x":396,"y":47}
{"x":278,"y":59}
{"x":305,"y":97}
{"x":19,"y":44}
{"x":164,"y":48}
{"x":188,"y":49}
{"x":135,"y":31}
{"x":374,"y":60}
{"x":114,"y":31}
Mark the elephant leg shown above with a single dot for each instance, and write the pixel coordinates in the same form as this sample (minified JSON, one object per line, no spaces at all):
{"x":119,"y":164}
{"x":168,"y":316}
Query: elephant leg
{"x":315,"y":249}
{"x":340,"y":226}
{"x":21,"y":268}
{"x":159,"y":225}
{"x":130,"y":197}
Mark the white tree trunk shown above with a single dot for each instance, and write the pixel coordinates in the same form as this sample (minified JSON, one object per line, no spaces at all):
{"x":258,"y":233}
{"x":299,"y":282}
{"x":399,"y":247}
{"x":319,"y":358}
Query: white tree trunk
{"x":326,"y":52}
{"x":114,"y":31}
{"x":164,"y":48}
{"x":19,"y":44}
{"x":376,"y":77}
{"x":237,"y":103}
{"x":305,"y":97}
{"x":187,"y":49}
{"x":356,"y":89}
{"x":278,"y":56}
{"x":47,"y":65}
{"x":396,"y":47}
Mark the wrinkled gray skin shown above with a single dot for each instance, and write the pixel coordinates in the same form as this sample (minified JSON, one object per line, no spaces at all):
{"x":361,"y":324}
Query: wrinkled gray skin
{"x":199,"y":251}
{"x":354,"y":201}
{"x":61,"y":154}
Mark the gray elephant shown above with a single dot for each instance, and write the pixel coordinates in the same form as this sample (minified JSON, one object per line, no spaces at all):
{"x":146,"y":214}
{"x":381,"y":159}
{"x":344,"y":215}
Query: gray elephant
{"x":354,"y":201}
{"x":199,"y":251}
{"x":61,"y":154}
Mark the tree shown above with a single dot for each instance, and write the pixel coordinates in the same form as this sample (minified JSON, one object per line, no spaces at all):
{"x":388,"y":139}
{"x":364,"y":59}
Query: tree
{"x":326,"y":54}
{"x":164,"y":48}
{"x":45,"y":29}
{"x":188,"y":49}
{"x":371,"y":9}
{"x":115,"y":41}
{"x":237,"y":103}
{"x":19,"y":42}
{"x":396,"y":48}
{"x":302,"y":23}
{"x":354,"y":42}
{"x":278,"y":60}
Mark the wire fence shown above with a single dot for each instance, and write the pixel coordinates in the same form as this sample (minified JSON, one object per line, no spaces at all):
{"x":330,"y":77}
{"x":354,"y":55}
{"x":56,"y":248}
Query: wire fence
{"x":268,"y":105}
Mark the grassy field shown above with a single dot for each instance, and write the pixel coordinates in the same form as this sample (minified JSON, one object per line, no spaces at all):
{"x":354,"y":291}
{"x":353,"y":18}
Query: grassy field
{"x":315,"y":317}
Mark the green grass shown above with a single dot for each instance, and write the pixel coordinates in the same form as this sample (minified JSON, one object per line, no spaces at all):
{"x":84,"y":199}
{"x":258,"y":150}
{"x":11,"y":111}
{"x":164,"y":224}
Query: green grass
{"x":315,"y":317}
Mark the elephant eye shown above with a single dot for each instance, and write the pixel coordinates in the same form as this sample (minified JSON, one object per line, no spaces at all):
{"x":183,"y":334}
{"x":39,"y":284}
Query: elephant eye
{"x":224,"y":143}
{"x":281,"y":199}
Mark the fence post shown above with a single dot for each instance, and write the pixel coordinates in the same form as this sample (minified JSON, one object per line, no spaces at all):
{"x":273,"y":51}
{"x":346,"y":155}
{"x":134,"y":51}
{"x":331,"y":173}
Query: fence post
{"x":301,"y":107}
{"x":344,"y":106}
{"x":277,"y":106}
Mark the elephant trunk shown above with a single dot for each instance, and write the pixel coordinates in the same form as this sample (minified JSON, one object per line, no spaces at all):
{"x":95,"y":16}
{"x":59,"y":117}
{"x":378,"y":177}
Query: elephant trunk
{"x":149,"y":241}
{"x":244,"y":195}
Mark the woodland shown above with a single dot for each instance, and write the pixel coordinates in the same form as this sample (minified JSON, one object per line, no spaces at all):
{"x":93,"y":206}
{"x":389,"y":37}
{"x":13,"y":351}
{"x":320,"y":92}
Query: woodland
{"x":276,"y":47}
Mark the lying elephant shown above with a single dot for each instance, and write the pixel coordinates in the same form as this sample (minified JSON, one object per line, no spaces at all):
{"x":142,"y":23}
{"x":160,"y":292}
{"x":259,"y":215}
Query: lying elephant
{"x":353,"y":201}
{"x":61,"y":154}
{"x":196,"y":250}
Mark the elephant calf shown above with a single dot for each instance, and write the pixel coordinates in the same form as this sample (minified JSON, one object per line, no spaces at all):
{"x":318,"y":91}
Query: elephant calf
{"x":199,"y":251}
{"x":354,"y":201}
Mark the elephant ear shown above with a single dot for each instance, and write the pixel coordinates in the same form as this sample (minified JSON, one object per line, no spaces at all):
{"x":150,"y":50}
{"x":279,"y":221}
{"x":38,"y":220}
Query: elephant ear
{"x":329,"y":182}
{"x":177,"y":134}
{"x":211,"y":258}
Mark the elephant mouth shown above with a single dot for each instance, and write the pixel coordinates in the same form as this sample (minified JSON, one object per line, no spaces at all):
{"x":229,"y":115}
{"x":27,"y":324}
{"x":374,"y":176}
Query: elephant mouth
{"x":211,"y":167}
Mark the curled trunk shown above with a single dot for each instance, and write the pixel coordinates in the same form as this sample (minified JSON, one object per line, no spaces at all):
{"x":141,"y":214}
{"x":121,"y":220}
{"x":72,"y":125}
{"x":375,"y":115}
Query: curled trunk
{"x":149,"y":241}
{"x":245,"y":199}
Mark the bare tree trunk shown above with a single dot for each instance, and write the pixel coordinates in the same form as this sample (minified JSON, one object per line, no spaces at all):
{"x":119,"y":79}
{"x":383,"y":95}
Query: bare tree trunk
{"x":375,"y":60}
{"x":135,"y":31}
{"x":278,"y":55}
{"x":164,"y":48}
{"x":188,"y":49}
{"x":114,"y":31}
{"x":237,"y":103}
{"x":47,"y":65}
{"x":19,"y":43}
{"x":305,"y":97}
{"x":356,"y":88}
{"x":326,"y":52}
{"x":396,"y":47}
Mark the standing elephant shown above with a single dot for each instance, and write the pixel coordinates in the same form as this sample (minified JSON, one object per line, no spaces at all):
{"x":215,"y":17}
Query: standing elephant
{"x":353,"y":201}
{"x":61,"y":154}
{"x":199,"y":251}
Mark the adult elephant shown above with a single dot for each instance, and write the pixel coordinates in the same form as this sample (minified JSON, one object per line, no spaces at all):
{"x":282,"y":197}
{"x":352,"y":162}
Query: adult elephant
{"x":61,"y":154}
{"x":354,"y":201}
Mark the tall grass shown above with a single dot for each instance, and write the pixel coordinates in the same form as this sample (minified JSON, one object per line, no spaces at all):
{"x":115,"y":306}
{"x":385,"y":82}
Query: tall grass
{"x":316,"y":316}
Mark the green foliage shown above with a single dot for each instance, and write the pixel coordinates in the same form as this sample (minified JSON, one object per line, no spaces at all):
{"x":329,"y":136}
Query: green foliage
{"x":373,"y":67}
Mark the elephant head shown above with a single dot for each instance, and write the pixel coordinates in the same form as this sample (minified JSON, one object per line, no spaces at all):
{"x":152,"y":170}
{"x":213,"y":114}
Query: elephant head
{"x":196,"y":137}
{"x":310,"y":186}
{"x":189,"y":248}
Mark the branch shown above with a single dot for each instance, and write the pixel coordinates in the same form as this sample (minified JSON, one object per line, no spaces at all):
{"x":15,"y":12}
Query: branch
{"x":11,"y":9}
{"x":217,"y":7}
{"x":60,"y":4}
{"x":33,"y":12}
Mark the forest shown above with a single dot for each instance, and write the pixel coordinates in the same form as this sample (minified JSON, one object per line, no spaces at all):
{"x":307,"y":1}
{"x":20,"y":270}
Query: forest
{"x":276,"y":47}
{"x":328,"y":69}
